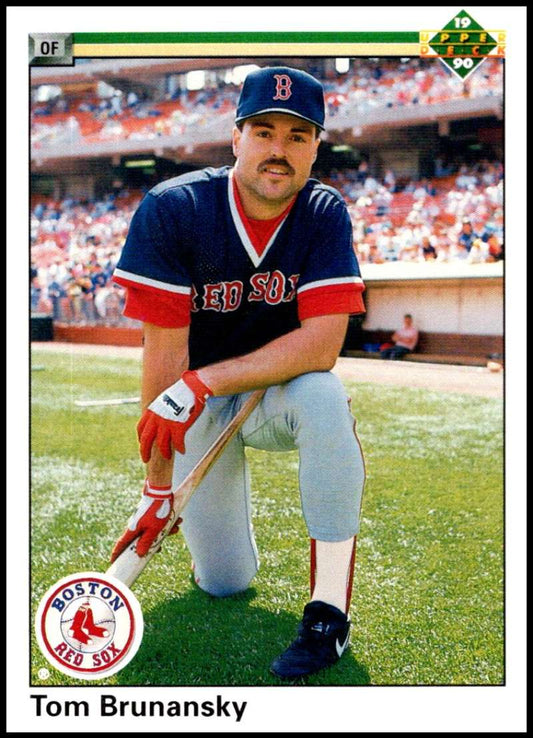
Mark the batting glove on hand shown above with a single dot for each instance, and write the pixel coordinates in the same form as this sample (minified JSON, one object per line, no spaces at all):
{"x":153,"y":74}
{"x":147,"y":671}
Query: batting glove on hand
{"x":171,"y":414}
{"x":148,"y":520}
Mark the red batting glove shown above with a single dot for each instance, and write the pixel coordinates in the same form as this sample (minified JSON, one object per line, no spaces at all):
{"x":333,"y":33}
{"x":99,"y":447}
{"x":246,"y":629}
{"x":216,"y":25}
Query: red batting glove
{"x":147,"y":521}
{"x":171,"y":414}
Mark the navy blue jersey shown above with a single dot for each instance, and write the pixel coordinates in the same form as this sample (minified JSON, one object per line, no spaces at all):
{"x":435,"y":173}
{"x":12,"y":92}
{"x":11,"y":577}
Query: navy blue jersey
{"x":189,"y":260}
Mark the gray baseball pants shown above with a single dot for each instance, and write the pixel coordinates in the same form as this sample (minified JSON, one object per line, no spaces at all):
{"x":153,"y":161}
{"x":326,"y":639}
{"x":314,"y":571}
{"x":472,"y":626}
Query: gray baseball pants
{"x":310,"y":413}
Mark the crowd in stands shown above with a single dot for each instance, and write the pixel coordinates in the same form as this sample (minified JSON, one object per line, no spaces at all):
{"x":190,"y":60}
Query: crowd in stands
{"x":370,"y":84}
{"x":126,"y":117}
{"x":74,"y":249}
{"x":389,"y":83}
{"x":451,"y":218}
{"x":75,"y":245}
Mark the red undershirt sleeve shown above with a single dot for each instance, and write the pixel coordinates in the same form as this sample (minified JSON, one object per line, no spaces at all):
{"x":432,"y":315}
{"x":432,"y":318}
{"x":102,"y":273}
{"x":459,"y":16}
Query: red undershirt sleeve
{"x":331,"y":300}
{"x":164,"y":309}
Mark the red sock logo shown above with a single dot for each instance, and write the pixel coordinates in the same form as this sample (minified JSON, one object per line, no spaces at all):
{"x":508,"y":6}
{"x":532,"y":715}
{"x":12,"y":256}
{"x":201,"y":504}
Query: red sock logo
{"x":77,"y":629}
{"x":83,"y":626}
{"x":91,"y":628}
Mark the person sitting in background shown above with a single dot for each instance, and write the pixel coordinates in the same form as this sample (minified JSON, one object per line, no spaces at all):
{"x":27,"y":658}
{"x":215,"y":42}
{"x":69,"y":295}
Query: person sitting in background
{"x":495,"y":248}
{"x":478,"y":252}
{"x":56,"y":294}
{"x":428,"y":250}
{"x":374,"y":255}
{"x":409,"y":250}
{"x":460,"y":252}
{"x":404,"y":340}
{"x":35,"y":293}
{"x":467,"y":236}
{"x":389,"y":180}
{"x":362,"y":171}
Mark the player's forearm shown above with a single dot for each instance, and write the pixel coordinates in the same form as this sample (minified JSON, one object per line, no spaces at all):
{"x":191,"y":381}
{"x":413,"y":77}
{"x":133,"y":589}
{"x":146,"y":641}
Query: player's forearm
{"x":165,"y":358}
{"x":313,"y":347}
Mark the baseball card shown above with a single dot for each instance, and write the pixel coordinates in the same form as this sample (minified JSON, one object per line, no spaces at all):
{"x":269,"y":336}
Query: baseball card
{"x":259,"y":415}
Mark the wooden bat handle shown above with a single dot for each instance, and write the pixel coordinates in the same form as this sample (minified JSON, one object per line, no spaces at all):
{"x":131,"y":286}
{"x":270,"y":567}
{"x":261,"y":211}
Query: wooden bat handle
{"x":128,"y":566}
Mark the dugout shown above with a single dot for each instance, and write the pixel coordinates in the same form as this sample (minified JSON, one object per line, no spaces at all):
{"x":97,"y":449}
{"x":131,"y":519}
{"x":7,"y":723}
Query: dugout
{"x":458,"y":309}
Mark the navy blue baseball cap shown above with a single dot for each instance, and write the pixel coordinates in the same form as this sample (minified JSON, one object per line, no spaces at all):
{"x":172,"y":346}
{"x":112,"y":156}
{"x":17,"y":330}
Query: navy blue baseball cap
{"x":282,"y":90}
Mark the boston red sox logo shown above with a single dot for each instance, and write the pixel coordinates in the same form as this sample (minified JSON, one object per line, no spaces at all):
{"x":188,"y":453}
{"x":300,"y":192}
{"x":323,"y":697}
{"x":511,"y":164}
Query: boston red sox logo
{"x":283,"y":87}
{"x":89,"y":625}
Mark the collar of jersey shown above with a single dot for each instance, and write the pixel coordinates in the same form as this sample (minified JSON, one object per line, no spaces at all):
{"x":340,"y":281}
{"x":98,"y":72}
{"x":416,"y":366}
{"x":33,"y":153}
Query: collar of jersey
{"x":255,"y":257}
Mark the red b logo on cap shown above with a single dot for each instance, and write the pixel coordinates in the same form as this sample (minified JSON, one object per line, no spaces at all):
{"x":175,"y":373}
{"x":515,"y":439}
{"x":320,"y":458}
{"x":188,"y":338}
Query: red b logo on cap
{"x":283,"y":87}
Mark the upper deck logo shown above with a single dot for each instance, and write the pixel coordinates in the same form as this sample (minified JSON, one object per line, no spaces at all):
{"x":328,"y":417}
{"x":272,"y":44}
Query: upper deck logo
{"x":462,"y":45}
{"x":89,"y":625}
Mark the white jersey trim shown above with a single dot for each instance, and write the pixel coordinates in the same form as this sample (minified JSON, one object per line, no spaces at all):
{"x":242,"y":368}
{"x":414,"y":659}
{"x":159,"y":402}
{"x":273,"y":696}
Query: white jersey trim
{"x":241,"y":230}
{"x":330,"y":282}
{"x":152,"y":282}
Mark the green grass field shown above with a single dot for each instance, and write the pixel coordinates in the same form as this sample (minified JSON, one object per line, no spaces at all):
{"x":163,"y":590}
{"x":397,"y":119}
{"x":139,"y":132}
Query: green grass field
{"x":428,"y":590}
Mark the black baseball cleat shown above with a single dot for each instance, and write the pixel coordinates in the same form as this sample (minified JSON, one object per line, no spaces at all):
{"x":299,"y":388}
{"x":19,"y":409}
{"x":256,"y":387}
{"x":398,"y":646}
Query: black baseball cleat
{"x":323,"y":635}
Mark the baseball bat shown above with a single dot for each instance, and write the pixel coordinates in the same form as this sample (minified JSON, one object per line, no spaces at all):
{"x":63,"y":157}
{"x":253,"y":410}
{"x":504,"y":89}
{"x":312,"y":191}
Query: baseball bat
{"x":128,"y":566}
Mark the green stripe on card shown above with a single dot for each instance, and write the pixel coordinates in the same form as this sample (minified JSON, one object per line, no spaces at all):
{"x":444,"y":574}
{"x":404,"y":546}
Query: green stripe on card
{"x":243,"y":37}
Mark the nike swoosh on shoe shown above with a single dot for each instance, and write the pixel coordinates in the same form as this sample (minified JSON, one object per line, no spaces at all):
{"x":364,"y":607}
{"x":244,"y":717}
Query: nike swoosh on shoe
{"x":340,"y":648}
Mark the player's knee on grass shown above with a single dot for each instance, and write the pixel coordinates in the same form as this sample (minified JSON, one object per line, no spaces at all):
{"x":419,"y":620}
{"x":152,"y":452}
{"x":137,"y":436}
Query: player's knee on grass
{"x":224,"y":583}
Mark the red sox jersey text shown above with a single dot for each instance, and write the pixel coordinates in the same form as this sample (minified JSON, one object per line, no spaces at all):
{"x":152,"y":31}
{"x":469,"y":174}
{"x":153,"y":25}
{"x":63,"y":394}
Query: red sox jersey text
{"x":192,"y":258}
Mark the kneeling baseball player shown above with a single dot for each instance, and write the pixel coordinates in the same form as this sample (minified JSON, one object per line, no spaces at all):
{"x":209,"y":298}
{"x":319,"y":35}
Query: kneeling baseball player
{"x":244,"y":278}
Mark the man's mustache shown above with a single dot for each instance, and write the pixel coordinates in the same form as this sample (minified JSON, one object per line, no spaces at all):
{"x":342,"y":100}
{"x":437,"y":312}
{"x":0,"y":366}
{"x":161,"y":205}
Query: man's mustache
{"x":276,"y":163}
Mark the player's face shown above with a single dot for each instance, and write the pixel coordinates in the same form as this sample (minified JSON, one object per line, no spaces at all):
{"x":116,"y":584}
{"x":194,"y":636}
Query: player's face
{"x":275,"y":153}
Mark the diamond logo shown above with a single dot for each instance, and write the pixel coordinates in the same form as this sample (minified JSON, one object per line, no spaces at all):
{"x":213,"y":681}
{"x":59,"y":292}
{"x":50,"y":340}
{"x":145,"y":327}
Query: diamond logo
{"x":463,"y":44}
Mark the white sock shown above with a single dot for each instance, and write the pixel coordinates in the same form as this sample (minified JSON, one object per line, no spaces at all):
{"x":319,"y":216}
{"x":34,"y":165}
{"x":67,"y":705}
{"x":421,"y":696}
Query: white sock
{"x":332,"y":566}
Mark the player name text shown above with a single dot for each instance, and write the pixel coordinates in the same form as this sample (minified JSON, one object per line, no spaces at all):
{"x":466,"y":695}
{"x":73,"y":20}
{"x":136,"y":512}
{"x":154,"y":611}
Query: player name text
{"x":111,"y":706}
